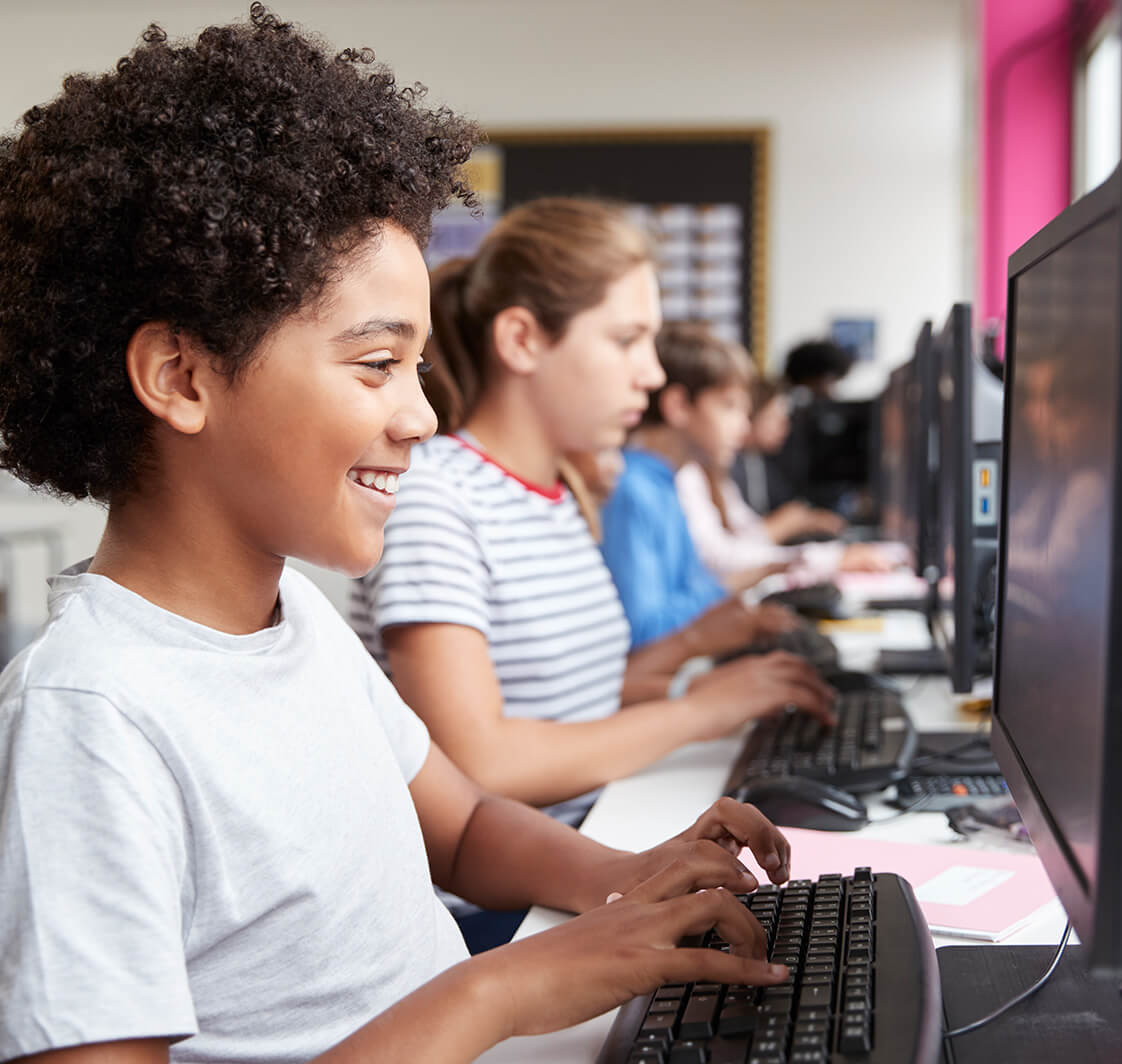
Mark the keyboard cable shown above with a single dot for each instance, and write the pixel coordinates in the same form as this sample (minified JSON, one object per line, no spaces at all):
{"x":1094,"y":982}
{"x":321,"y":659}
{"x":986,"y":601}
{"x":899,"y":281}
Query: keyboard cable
{"x":1021,"y":996}
{"x":914,"y":807}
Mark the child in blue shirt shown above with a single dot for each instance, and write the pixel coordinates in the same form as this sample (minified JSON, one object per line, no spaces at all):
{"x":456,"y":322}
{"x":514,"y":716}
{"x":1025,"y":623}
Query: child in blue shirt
{"x":662,"y":581}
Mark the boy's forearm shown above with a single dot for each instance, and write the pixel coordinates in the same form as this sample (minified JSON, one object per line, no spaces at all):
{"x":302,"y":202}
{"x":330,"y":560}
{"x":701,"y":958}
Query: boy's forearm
{"x":452,"y":1019}
{"x":512,"y":856}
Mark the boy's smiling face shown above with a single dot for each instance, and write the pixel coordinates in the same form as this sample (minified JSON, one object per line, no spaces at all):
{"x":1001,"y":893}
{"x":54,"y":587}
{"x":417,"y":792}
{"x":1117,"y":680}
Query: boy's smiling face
{"x":303,"y":452}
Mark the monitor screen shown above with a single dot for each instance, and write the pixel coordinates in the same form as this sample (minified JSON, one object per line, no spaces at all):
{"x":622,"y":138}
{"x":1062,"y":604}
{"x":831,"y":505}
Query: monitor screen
{"x":1055,"y":712}
{"x":839,"y":442}
{"x":905,"y":452}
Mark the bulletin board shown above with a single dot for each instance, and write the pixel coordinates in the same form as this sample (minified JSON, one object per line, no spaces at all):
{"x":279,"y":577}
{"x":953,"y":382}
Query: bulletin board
{"x":703,"y":192}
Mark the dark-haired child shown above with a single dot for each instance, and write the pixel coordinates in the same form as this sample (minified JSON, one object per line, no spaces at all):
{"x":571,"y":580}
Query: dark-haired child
{"x":715,"y":415}
{"x":219,"y":825}
{"x":702,"y":406}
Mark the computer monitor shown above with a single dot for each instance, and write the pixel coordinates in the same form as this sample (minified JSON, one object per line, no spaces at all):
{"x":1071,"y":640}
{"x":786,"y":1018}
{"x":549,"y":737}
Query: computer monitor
{"x":1057,"y":721}
{"x":839,"y":465}
{"x":1058,"y":695}
{"x":968,"y":423}
{"x":907,"y":452}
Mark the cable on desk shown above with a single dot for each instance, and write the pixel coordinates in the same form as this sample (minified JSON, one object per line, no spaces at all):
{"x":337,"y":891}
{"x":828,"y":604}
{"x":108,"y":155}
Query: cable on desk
{"x":915,"y":807}
{"x":917,"y":682}
{"x":1021,"y":996}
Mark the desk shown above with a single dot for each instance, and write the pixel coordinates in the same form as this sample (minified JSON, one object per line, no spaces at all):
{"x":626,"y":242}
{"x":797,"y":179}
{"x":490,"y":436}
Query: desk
{"x":647,"y":808}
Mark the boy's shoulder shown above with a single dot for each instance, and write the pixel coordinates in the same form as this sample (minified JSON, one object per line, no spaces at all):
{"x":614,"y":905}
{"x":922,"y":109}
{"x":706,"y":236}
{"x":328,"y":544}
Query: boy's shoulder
{"x":104,"y":640}
{"x":85,"y":644}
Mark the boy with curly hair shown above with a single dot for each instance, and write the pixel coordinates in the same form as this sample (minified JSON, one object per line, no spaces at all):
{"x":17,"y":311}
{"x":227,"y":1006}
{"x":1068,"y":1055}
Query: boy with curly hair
{"x":219,"y":824}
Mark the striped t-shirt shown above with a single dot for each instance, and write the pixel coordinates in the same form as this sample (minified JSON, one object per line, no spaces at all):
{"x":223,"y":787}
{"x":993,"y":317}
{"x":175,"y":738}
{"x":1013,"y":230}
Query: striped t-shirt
{"x":469,"y":543}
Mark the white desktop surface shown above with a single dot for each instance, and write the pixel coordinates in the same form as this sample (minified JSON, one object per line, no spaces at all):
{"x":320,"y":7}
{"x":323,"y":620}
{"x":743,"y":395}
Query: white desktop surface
{"x":645,"y":809}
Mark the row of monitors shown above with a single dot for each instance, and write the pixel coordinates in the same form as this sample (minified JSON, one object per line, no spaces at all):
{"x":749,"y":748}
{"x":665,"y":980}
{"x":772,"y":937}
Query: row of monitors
{"x":940,"y":432}
{"x":1057,"y":724}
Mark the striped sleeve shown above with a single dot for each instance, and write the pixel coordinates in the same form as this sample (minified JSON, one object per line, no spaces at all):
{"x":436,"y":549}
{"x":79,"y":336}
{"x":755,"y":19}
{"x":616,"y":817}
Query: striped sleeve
{"x":432,"y":569}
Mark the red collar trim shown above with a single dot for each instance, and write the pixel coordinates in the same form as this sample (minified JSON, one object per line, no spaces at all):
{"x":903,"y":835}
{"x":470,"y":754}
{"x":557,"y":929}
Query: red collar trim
{"x":553,"y":494}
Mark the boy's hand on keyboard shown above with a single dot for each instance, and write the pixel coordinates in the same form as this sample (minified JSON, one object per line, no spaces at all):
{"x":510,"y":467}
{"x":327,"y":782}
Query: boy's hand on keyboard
{"x":710,"y":847}
{"x":611,"y":954}
{"x":752,"y":687}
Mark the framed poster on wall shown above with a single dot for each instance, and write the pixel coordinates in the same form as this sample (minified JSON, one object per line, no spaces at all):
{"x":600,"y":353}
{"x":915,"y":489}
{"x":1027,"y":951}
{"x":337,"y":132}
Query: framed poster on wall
{"x":702,"y":192}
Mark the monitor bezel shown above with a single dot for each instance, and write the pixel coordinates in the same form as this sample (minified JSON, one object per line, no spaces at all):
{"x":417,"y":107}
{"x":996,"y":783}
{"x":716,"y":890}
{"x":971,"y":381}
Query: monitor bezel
{"x":911,"y":383}
{"x":954,"y":352}
{"x":1096,"y":915}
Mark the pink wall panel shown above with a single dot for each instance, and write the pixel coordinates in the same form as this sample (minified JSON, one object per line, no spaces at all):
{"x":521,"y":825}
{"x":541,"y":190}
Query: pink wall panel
{"x":1026,"y":85}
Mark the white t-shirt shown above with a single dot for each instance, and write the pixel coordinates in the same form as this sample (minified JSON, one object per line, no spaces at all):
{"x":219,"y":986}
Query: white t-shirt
{"x":469,"y":543}
{"x":205,"y":834}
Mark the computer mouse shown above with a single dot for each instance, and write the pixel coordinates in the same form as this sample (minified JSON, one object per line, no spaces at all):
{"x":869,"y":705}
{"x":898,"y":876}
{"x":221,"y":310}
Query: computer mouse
{"x":797,"y":802}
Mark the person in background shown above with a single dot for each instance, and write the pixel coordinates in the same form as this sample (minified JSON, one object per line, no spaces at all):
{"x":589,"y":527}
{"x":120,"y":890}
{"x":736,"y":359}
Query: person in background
{"x":716,"y":378}
{"x":662,"y":582}
{"x":758,"y":480}
{"x":814,"y":368}
{"x":492,"y":609}
{"x":592,"y":476}
{"x":219,"y":823}
{"x":811,"y":371}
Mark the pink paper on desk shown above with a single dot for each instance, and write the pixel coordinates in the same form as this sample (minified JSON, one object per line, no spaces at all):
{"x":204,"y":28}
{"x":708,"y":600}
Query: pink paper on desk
{"x":896,"y":584}
{"x":962,"y":891}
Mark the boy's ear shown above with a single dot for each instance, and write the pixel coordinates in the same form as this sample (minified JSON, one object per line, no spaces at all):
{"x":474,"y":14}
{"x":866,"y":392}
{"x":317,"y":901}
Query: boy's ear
{"x":675,"y":406}
{"x":165,"y":368}
{"x":518,"y":339}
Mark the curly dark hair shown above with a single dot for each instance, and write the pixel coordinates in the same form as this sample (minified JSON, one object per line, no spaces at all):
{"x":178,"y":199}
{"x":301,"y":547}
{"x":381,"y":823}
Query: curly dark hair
{"x":216,"y":185}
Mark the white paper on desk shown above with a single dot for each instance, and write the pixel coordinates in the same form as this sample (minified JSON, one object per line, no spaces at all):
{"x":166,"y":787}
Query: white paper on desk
{"x":961,"y":885}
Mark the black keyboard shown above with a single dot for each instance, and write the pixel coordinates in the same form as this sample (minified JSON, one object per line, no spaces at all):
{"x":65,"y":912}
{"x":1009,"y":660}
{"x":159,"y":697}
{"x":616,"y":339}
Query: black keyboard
{"x":937,"y":794}
{"x":864,"y":986}
{"x":811,"y":600}
{"x":809,"y":643}
{"x":871,"y":746}
{"x":805,"y":641}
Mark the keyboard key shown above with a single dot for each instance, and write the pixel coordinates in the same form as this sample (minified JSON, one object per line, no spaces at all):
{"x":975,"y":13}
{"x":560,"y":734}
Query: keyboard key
{"x":647,"y":1056}
{"x":689,"y":1053}
{"x":699,"y":1020}
{"x":737,"y":1018}
{"x":811,"y":997}
{"x":855,"y":1039}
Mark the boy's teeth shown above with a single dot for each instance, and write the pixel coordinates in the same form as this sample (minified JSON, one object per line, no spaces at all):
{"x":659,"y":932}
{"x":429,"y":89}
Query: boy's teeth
{"x":386,"y":482}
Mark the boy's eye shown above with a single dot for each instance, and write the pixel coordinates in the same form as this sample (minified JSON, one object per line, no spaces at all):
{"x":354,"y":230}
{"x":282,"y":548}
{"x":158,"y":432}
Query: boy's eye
{"x":383,"y":366}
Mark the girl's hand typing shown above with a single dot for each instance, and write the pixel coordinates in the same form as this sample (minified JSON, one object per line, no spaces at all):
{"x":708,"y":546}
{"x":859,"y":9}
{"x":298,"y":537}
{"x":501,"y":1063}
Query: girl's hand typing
{"x":747,"y":688}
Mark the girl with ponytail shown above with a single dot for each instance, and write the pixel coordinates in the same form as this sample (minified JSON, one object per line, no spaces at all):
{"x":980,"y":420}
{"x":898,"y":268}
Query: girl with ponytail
{"x":492,"y":608}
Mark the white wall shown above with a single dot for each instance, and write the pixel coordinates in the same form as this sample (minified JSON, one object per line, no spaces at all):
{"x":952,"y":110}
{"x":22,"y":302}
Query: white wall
{"x":865,"y":99}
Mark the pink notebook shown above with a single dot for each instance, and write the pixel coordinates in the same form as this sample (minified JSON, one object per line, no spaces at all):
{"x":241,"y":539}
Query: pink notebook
{"x":962,"y":891}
